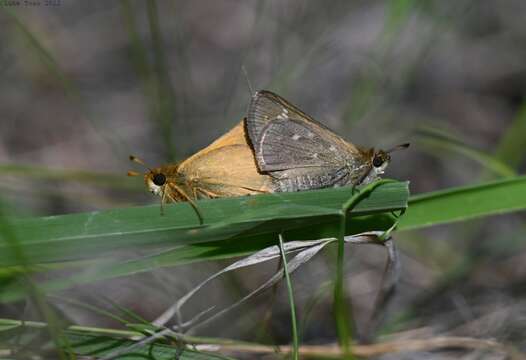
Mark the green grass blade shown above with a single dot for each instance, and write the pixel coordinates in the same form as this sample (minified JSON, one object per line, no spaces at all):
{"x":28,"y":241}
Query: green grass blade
{"x":96,"y":345}
{"x":290,"y":293}
{"x":13,"y":247}
{"x":512,"y":143}
{"x":91,"y":235}
{"x":138,"y":52}
{"x":100,"y":342}
{"x":438,"y":140}
{"x":464,"y":203}
{"x":83,"y":176}
{"x":306,"y":215}
{"x":166,"y":93}
{"x":233,"y":227}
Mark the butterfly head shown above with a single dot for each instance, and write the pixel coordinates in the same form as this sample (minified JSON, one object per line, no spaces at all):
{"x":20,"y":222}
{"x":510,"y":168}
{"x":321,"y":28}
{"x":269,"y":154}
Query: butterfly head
{"x":379,"y":159}
{"x":379,"y":162}
{"x":155,"y":178}
{"x":161,"y":181}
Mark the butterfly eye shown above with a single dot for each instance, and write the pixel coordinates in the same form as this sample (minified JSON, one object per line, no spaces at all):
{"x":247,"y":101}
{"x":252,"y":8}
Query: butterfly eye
{"x":378,"y":161}
{"x":159,"y":179}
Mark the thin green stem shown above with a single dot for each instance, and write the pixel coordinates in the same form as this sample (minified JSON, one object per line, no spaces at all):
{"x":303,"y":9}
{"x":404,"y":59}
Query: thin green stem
{"x":88,"y":329}
{"x":166,"y":93}
{"x":81,"y":176}
{"x":344,"y":323}
{"x":295,"y":342}
{"x":362,"y":194}
{"x":341,"y":312}
{"x":512,"y":142}
{"x":188,"y":339}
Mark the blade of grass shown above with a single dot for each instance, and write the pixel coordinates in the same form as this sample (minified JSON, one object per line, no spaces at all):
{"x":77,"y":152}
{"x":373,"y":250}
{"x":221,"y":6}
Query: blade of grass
{"x":97,"y":346}
{"x":509,"y":155}
{"x":155,"y":82}
{"x":138,"y":50}
{"x":464,"y":203}
{"x":344,"y":322}
{"x":290,"y":293}
{"x":95,"y":234}
{"x":91,"y":337}
{"x":90,"y":177}
{"x":512,"y":143}
{"x":14,"y":249}
{"x":451,"y":205}
{"x":366,"y":89}
{"x":101,"y":341}
{"x":437,"y":139}
{"x":166,"y":95}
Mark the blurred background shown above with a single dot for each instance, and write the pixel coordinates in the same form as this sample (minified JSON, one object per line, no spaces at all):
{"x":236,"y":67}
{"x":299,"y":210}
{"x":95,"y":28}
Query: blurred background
{"x":85,"y":84}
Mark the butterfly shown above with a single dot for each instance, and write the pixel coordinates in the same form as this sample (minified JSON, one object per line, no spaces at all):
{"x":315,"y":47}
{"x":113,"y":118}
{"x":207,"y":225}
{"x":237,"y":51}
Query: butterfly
{"x":302,"y":154}
{"x":225,"y":168}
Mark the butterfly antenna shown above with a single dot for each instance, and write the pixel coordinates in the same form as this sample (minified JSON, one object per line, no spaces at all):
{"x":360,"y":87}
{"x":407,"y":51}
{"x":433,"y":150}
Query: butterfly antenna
{"x":133,"y":173}
{"x":138,"y":161}
{"x":398,"y":147}
{"x":248,"y":80}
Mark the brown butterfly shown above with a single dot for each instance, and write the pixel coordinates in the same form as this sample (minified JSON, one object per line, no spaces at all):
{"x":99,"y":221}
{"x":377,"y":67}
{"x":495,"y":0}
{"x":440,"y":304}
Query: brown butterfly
{"x":225,"y":168}
{"x":302,"y":154}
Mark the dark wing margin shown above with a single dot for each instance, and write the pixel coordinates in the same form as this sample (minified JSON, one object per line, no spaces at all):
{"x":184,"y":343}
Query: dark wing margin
{"x":262,"y":109}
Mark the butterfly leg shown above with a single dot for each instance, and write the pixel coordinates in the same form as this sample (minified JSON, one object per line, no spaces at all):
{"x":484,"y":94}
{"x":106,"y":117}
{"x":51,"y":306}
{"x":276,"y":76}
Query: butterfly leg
{"x":194,"y":192}
{"x":189,"y":199}
{"x":208,"y":193}
{"x":163,"y":199}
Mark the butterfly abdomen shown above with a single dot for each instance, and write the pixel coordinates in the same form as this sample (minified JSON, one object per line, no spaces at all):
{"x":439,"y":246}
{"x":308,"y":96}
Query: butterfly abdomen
{"x":287,"y":182}
{"x":298,"y":184}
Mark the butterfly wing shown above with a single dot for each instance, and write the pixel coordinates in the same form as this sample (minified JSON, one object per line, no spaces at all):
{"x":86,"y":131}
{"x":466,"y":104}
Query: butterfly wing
{"x":292,"y":143}
{"x":235,"y":136}
{"x":298,"y":150}
{"x":224,"y":172}
{"x":224,"y":168}
{"x":266,"y":106}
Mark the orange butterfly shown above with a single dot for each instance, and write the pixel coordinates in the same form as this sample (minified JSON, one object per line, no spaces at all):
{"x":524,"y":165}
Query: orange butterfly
{"x":224,"y":168}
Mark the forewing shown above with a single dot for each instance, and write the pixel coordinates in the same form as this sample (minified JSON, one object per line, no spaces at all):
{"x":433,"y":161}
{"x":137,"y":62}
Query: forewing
{"x":284,"y":137}
{"x":289,"y":144}
{"x":235,"y":136}
{"x":226,"y":171}
{"x":265,"y":106}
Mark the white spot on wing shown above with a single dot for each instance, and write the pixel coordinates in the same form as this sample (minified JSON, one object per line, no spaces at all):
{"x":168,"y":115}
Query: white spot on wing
{"x":296,"y":137}
{"x":332,"y":148}
{"x":284,"y":114}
